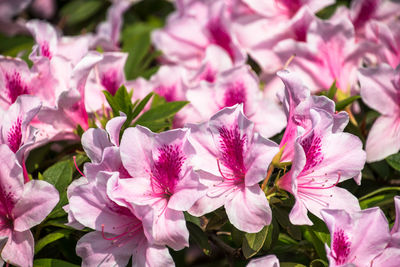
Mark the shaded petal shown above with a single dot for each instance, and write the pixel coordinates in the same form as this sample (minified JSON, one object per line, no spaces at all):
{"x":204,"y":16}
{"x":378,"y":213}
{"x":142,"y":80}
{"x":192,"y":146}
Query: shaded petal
{"x":169,"y":229}
{"x":249,"y":210}
{"x":97,"y":251}
{"x":37,"y":201}
{"x":19,"y":249}
{"x":377,"y":90}
{"x":383,"y":138}
{"x":266,"y":261}
{"x":113,"y":128}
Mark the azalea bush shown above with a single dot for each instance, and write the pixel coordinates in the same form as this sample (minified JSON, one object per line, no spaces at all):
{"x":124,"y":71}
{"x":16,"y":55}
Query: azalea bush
{"x":199,"y":133}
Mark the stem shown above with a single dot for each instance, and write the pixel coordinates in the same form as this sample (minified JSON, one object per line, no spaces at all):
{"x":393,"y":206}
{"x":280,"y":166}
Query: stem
{"x":229,"y":251}
{"x":269,"y":173}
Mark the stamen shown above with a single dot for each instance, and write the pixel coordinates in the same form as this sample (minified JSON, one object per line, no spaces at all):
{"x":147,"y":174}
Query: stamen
{"x":76,"y":166}
{"x":322,"y":187}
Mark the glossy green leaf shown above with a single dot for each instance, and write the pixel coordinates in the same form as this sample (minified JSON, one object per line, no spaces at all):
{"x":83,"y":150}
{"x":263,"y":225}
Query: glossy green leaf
{"x":217,"y":220}
{"x":394,"y":161}
{"x":341,"y":105}
{"x":50,"y":238}
{"x":253,"y":242}
{"x":78,"y":11}
{"x":59,"y":175}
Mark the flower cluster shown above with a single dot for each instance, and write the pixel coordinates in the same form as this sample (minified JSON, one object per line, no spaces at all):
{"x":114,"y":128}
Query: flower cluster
{"x":245,"y":120}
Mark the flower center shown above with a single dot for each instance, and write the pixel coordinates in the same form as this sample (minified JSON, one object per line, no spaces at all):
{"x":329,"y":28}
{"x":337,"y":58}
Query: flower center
{"x":340,"y":246}
{"x":109,"y":80}
{"x":235,"y":94}
{"x":14,"y":136}
{"x":231,"y":157}
{"x":312,"y":148}
{"x":15,"y":86}
{"x":166,"y":170}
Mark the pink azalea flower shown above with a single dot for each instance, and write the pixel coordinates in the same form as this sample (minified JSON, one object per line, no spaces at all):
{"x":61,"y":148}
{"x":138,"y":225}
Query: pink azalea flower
{"x":380,"y":89}
{"x":22,"y":206}
{"x":163,"y":179}
{"x":107,"y":75}
{"x":102,"y":147}
{"x":119,"y":232}
{"x":280,"y":19}
{"x":108,"y":32}
{"x":359,"y":238}
{"x":232,"y":159}
{"x":15,"y":129}
{"x":50,"y":45}
{"x":330,"y":53}
{"x":388,"y":37}
{"x":191,"y":29}
{"x":322,"y":159}
{"x":236,"y":86}
{"x":297,"y":103}
{"x":266,"y":261}
{"x":15,"y":80}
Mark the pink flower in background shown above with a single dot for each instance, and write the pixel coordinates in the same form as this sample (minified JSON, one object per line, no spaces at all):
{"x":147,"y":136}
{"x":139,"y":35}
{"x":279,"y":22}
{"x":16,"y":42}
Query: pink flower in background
{"x":380,"y":90}
{"x":22,"y":206}
{"x":330,"y":53}
{"x":360,"y":238}
{"x":107,"y":75}
{"x":322,"y":159}
{"x":235,"y":86}
{"x":188,"y":33}
{"x":264,"y":24}
{"x":108,"y":32}
{"x":231,"y":160}
{"x":163,"y":179}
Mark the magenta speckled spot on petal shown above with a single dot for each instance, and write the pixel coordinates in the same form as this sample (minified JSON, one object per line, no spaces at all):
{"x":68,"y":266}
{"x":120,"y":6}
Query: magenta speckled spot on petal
{"x":167,"y":170}
{"x":312,"y":148}
{"x":340,"y":247}
{"x":14,"y":136}
{"x":45,"y":50}
{"x":232,"y":150}
{"x":15,"y":86}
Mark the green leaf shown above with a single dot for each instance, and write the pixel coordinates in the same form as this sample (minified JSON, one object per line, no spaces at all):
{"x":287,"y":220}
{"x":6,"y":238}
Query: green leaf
{"x":163,"y":111}
{"x":319,"y":246}
{"x":78,"y":11}
{"x":192,"y":219}
{"x":282,"y":216}
{"x":253,"y":242}
{"x":218,"y":219}
{"x":394,"y":161}
{"x":141,"y":105}
{"x":137,"y":43}
{"x":121,"y":101}
{"x":332,"y":90}
{"x":380,"y":197}
{"x":59,"y":175}
{"x":50,"y":238}
{"x":341,"y":105}
{"x":272,"y":235}
{"x":319,"y":263}
{"x":52,"y":263}
{"x":199,"y":237}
